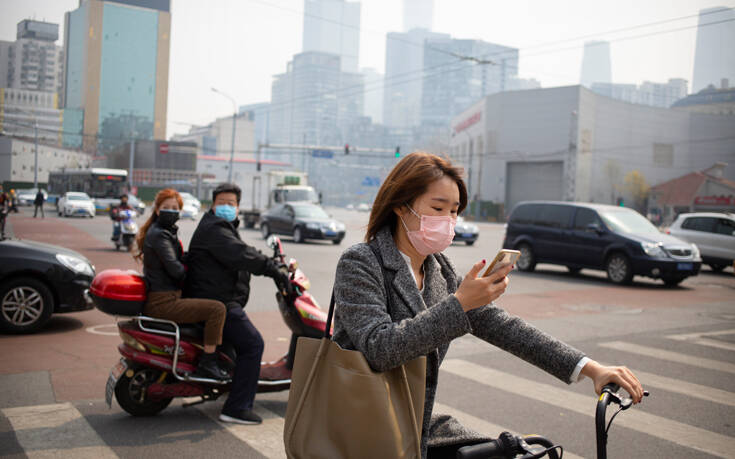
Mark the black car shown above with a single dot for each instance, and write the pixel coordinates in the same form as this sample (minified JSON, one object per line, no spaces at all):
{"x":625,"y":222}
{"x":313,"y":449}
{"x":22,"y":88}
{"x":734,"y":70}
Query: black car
{"x":37,"y":280}
{"x":302,"y":221}
{"x":615,"y":239}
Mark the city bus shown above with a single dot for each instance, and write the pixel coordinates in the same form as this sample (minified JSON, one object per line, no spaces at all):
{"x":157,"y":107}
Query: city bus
{"x":103,"y":185}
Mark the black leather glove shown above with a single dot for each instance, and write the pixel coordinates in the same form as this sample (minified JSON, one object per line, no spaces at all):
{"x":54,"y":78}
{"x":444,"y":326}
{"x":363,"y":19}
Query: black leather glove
{"x":279,"y":273}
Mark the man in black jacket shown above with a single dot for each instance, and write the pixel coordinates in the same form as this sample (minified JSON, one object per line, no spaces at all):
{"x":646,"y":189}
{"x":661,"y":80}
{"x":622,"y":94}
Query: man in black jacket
{"x":220,"y":265}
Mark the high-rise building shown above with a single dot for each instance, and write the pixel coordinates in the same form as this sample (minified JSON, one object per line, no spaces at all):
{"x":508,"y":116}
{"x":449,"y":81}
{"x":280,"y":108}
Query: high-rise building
{"x":117,"y":62}
{"x":404,"y":74}
{"x":30,"y":114}
{"x":596,"y":63}
{"x":714,"y":57}
{"x":333,"y":26}
{"x":373,"y":95}
{"x":648,"y":93}
{"x":418,"y":14}
{"x":260,"y":115}
{"x":451,"y":84}
{"x":314,"y":102}
{"x":33,"y":61}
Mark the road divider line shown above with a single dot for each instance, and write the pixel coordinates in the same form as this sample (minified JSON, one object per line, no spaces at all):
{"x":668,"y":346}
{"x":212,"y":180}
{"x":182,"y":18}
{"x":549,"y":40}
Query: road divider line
{"x":649,"y":424}
{"x":678,"y":386}
{"x":57,"y":430}
{"x":266,"y":438}
{"x":702,"y":338}
{"x":676,"y":357}
{"x":482,"y":426}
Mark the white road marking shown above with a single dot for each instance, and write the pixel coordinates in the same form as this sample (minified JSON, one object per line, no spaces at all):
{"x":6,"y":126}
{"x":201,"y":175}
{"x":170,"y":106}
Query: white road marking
{"x":56,"y":431}
{"x":636,"y":419}
{"x":97,"y":330}
{"x":703,"y":340}
{"x":482,"y":426}
{"x":678,"y":386}
{"x":677,"y":357}
{"x":266,"y":438}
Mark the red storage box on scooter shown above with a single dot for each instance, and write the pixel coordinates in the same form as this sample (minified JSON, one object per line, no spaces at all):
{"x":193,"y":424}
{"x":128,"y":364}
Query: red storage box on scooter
{"x":118,"y":292}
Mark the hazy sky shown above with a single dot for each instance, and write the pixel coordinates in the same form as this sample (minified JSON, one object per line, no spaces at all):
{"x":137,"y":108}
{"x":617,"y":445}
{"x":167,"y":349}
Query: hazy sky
{"x":238,"y":45}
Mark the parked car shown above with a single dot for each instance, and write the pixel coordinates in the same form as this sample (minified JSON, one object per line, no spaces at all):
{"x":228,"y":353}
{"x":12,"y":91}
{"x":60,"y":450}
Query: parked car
{"x":615,"y":239}
{"x":73,"y":203}
{"x":713,"y":233}
{"x":302,"y":221}
{"x":27,"y":196}
{"x":465,"y":231}
{"x":37,"y":280}
{"x":192,"y":206}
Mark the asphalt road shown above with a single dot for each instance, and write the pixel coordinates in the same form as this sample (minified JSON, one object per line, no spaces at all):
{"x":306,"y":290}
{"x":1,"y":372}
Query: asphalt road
{"x":680,"y":341}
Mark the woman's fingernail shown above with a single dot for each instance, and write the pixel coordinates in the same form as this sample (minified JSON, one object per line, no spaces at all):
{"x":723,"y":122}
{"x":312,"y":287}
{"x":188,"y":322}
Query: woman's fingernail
{"x":483,"y":261}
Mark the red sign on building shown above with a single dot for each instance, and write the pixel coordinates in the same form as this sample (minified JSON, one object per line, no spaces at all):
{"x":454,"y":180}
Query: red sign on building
{"x":163,"y":148}
{"x":714,"y":200}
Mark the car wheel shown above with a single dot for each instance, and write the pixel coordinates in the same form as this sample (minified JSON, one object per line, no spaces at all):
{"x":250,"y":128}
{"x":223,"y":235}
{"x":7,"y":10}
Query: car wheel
{"x":717,"y":268}
{"x":336,"y":241}
{"x":573,"y":269}
{"x":526,"y":261}
{"x":265,"y":231}
{"x":618,"y":269}
{"x":298,"y":236}
{"x":131,"y":392}
{"x":469,"y":242}
{"x":25,"y":305}
{"x":672,"y":281}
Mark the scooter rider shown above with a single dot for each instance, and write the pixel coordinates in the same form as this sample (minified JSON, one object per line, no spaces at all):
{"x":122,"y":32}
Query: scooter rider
{"x":116,"y":218}
{"x":220,"y":265}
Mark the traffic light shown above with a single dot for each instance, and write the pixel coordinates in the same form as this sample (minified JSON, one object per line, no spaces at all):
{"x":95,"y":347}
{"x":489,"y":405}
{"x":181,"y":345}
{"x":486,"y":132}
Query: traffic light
{"x":398,"y":151}
{"x":347,"y":148}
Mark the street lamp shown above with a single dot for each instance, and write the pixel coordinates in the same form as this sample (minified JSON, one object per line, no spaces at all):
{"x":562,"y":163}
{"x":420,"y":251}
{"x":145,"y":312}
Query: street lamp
{"x":234,"y":120}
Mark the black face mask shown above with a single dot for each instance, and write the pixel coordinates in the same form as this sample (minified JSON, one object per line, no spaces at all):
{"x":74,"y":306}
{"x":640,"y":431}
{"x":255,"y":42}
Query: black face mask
{"x":167,"y":218}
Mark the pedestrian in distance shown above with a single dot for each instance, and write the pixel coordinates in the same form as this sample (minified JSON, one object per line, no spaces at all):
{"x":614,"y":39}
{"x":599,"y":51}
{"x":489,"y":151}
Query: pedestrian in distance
{"x":38,"y":203}
{"x":159,"y":248}
{"x":220,"y":266}
{"x":411,"y":223}
{"x":4,"y":209}
{"x":13,"y":201}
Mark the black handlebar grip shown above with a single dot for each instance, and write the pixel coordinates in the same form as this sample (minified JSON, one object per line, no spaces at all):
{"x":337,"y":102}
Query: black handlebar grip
{"x":480,"y":451}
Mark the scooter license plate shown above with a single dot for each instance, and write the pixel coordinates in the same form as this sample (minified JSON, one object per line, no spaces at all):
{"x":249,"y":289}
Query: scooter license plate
{"x":115,"y":373}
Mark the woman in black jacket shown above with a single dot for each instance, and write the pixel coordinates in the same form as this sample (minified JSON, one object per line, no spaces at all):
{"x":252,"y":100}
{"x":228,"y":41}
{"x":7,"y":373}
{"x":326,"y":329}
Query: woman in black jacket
{"x":162,"y":254}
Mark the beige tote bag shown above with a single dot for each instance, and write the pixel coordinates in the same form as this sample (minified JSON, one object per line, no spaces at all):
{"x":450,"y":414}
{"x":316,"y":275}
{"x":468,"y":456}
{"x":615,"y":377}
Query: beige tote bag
{"x":338,"y":407}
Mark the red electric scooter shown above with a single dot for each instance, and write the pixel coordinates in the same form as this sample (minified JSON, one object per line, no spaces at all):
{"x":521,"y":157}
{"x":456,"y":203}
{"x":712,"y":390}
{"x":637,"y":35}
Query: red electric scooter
{"x":159,"y":356}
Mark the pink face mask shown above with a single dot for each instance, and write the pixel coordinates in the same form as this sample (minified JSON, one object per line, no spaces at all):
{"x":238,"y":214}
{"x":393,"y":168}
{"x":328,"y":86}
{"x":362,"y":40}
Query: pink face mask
{"x":434,"y":235}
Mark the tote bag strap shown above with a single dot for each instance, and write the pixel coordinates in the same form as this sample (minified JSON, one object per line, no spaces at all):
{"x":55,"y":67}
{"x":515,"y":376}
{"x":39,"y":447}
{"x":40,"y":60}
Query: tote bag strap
{"x":387,"y":279}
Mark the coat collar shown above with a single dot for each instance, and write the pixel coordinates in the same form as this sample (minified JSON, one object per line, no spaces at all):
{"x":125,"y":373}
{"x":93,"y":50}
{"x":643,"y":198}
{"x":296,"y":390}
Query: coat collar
{"x":403,"y":281}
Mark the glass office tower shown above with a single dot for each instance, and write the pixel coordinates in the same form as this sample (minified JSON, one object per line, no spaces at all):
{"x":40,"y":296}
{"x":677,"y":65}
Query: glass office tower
{"x":117,"y":57}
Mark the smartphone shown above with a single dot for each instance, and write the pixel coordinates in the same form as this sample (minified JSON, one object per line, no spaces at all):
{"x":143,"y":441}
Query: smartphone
{"x":505,"y":257}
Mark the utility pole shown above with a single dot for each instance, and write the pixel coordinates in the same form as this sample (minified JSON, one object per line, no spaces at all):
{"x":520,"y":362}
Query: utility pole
{"x":234,"y":124}
{"x":132,"y":152}
{"x":35,"y":160}
{"x":570,"y":165}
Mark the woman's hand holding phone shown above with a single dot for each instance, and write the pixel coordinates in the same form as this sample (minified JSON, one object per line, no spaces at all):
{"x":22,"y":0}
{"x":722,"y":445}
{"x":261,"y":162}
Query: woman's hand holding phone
{"x":475,"y":292}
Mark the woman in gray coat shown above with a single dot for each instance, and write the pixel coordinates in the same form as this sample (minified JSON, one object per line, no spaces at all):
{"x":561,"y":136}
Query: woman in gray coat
{"x":411,"y":223}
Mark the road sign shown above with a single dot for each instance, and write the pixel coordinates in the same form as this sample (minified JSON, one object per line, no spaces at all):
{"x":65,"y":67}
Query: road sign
{"x":322,"y":154}
{"x":163,"y":148}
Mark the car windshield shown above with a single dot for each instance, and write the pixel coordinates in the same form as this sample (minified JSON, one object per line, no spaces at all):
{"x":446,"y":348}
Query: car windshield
{"x":310,"y":212}
{"x":627,"y":221}
{"x":77,"y":197}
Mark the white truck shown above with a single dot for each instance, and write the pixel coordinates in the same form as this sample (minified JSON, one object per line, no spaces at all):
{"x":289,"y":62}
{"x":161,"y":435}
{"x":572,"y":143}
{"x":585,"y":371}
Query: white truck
{"x":279,"y":187}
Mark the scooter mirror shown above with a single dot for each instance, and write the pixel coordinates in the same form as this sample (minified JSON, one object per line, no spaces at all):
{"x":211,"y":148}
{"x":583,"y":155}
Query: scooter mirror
{"x":272,"y":241}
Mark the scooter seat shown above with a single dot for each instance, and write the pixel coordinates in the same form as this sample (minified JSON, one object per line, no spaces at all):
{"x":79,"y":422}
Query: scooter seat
{"x":191,"y":331}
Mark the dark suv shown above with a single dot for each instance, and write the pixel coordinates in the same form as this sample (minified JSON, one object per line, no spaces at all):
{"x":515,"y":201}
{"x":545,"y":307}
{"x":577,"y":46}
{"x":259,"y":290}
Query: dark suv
{"x":615,"y":239}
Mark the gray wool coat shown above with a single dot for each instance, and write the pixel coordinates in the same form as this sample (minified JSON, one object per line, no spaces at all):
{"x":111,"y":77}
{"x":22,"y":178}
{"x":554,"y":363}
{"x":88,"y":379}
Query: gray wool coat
{"x":425,"y":324}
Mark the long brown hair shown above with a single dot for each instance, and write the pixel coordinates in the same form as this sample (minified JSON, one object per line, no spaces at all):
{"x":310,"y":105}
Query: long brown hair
{"x":162,"y":195}
{"x":407,"y":181}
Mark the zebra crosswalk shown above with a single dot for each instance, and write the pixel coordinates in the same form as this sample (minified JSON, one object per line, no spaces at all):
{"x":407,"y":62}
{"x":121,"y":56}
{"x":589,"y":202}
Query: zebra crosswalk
{"x":72,"y":430}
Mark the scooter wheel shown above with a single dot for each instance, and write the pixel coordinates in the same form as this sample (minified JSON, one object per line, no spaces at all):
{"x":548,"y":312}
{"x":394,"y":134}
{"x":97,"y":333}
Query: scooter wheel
{"x":131,"y":392}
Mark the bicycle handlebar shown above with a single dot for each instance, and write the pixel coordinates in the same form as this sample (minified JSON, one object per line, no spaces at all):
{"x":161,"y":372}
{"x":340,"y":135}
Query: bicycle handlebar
{"x":608,"y":395}
{"x":508,"y":445}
